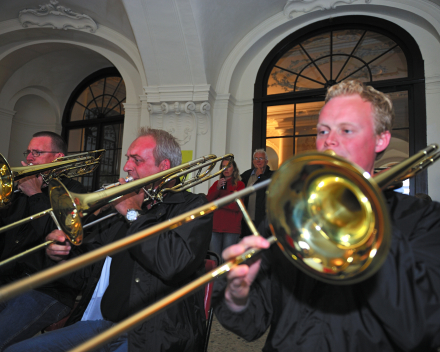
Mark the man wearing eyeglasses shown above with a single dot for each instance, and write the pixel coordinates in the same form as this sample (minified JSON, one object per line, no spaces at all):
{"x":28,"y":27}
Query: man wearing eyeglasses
{"x":256,"y":202}
{"x":28,"y":314}
{"x":42,"y":149}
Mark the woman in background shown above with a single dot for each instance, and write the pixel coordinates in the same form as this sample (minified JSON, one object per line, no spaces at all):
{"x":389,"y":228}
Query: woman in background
{"x":226,"y":227}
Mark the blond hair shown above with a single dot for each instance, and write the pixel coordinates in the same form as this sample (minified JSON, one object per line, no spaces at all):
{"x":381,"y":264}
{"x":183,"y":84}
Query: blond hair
{"x":380,"y":102}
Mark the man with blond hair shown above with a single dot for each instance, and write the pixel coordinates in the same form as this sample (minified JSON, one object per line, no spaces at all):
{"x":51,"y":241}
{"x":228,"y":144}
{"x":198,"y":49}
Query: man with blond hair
{"x":397,"y":309}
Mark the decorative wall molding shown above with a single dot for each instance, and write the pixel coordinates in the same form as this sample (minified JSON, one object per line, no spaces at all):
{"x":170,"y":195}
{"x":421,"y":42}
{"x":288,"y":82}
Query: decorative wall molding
{"x":293,"y":6}
{"x":6,"y":115}
{"x":182,"y":120}
{"x":56,"y":16}
{"x":156,"y":94}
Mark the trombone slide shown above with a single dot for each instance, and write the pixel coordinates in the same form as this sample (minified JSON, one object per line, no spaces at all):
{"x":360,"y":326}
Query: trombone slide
{"x":51,"y":274}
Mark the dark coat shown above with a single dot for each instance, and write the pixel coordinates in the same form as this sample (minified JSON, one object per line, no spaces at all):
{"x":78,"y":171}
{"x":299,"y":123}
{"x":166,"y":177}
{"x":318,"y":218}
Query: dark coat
{"x":397,"y":309}
{"x":30,"y":235}
{"x":260,"y":206}
{"x":160,"y":265}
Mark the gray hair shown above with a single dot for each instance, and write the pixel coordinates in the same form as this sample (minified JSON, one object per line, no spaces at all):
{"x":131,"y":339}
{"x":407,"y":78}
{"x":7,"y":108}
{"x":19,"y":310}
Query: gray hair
{"x":166,"y":146}
{"x":262,"y":151}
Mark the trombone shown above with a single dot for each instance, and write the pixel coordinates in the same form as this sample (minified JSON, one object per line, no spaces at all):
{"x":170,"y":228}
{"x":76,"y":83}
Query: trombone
{"x":66,"y":166}
{"x":70,"y":209}
{"x":308,"y":179}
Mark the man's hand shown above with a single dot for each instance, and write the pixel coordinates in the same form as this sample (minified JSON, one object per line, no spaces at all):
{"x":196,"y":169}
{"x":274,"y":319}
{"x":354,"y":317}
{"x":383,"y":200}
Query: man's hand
{"x":241,"y":277}
{"x":129,"y":201}
{"x":30,"y":185}
{"x":260,"y":170}
{"x":58,"y":251}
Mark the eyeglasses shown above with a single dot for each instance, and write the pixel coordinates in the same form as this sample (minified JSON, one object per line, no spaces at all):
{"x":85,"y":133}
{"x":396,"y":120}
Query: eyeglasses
{"x":256,"y":159}
{"x":35,"y":153}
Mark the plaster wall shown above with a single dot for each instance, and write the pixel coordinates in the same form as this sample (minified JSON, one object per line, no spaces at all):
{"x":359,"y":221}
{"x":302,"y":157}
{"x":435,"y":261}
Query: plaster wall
{"x":33,"y":114}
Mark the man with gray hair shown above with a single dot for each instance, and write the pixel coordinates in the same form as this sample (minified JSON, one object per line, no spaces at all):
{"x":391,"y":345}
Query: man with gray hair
{"x":256,"y":202}
{"x":129,"y":281}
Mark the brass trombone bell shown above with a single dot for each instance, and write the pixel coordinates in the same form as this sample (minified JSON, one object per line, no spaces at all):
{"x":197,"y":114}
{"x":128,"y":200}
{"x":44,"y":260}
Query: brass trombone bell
{"x":329,"y":217}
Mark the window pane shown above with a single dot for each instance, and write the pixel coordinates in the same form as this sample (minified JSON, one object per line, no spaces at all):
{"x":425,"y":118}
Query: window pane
{"x":77,"y":112}
{"x":303,"y":144}
{"x":284,"y":74}
{"x":307,"y":115}
{"x":390,"y":66}
{"x":278,"y":151}
{"x":96,"y":89}
{"x":343,"y":44}
{"x":82,"y":139}
{"x":318,"y":46}
{"x":280,"y":120}
{"x":355,"y":69}
{"x":400,"y":103}
{"x":94,"y":103}
{"x":311,"y":78}
{"x":111,"y":142}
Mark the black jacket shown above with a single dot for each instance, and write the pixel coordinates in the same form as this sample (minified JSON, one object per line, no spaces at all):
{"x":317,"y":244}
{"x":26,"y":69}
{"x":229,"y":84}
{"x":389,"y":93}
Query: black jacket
{"x":260,"y":206}
{"x":160,"y":265}
{"x":397,"y":309}
{"x":30,"y":235}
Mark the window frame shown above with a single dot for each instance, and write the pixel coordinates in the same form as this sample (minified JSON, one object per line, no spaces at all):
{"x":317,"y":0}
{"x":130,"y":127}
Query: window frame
{"x":69,"y":125}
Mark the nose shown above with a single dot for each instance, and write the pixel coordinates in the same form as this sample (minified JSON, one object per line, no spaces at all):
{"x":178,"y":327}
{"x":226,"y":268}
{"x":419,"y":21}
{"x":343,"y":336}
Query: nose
{"x":30,"y":158}
{"x":128,"y":166}
{"x":331,"y":140}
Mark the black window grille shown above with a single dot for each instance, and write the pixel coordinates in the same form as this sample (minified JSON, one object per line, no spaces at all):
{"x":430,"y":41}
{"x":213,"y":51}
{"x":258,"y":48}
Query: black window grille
{"x":94,"y":119}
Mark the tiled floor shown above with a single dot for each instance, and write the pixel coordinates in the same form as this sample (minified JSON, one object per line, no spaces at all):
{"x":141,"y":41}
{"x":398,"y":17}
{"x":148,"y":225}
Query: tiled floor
{"x":221,"y":340}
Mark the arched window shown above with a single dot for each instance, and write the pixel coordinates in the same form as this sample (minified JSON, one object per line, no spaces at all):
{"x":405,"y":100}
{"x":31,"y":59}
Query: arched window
{"x":94,"y":119}
{"x":292,"y":82}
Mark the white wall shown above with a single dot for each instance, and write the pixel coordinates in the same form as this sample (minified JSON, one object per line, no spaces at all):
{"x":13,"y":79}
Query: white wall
{"x":33,"y":114}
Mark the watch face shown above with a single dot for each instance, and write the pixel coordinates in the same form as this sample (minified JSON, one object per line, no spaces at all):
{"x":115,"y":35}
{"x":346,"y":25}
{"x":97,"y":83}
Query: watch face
{"x":132,"y":215}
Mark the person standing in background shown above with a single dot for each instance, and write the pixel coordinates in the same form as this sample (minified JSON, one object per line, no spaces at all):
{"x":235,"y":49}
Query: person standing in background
{"x":256,"y":202}
{"x":227,"y":220}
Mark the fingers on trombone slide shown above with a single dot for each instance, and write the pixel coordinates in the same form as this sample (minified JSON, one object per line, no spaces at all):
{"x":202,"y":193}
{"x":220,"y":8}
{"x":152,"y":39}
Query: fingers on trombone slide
{"x":60,"y":248}
{"x":248,"y":242}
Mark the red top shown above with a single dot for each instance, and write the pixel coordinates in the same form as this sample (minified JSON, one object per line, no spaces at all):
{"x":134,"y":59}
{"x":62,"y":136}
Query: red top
{"x":228,"y":218}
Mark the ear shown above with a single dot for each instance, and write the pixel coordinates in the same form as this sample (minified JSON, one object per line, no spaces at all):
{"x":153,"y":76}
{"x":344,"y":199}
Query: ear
{"x":382,"y":141}
{"x":165,"y":165}
{"x":59,"y":155}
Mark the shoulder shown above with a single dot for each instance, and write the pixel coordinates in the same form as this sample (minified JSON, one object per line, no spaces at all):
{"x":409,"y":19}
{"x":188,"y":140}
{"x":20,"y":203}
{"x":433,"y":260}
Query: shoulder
{"x":268,"y":171}
{"x":246,"y":174}
{"x":409,"y":212}
{"x":74,"y":185}
{"x":194,"y":198}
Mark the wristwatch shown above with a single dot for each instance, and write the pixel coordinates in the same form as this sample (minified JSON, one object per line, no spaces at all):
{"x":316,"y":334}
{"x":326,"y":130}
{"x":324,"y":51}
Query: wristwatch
{"x":132,"y":215}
